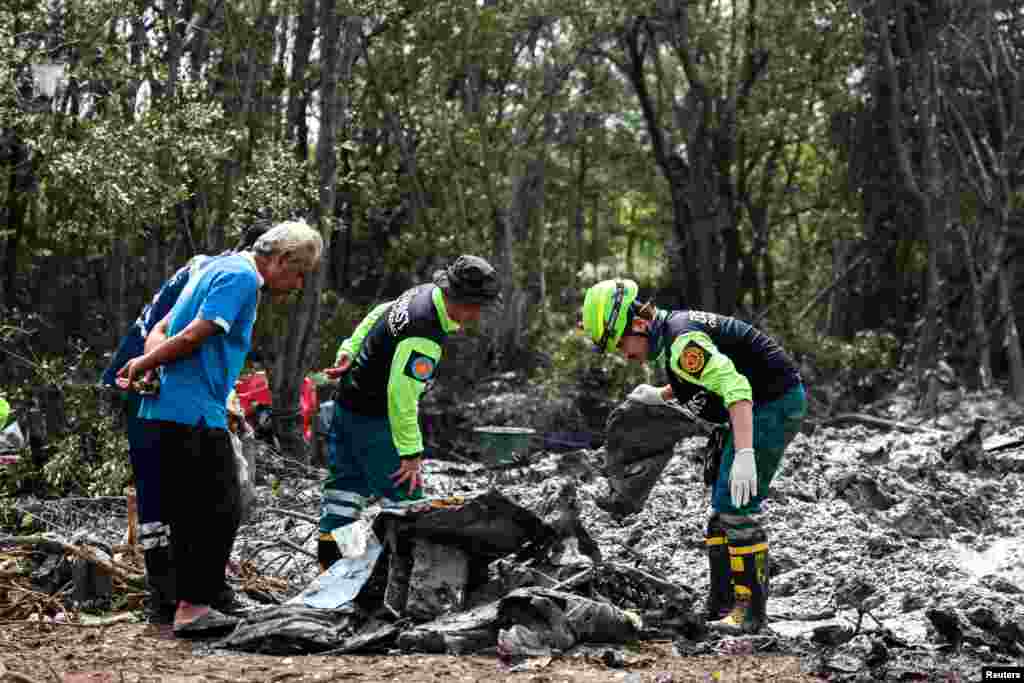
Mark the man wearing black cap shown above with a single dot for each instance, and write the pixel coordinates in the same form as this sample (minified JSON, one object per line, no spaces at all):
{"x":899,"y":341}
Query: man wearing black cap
{"x":374,"y":445}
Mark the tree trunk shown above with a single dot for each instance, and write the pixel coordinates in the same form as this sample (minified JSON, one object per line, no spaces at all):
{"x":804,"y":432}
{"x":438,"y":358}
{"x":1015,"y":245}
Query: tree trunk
{"x":240,"y":71}
{"x":130,"y":89}
{"x":116,"y":288}
{"x":921,"y":169}
{"x":579,"y":213}
{"x":839,"y":301}
{"x":1011,"y":337}
{"x":988,"y":149}
{"x":753,"y":279}
{"x":339,"y":49}
{"x":631,"y":253}
{"x":728,"y":295}
{"x":981,"y":337}
{"x":17,"y":210}
{"x":298,"y":95}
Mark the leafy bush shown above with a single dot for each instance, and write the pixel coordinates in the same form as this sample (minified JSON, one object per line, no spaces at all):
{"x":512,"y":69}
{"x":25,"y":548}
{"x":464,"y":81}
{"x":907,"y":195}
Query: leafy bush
{"x":868,"y":351}
{"x":575,"y":364}
{"x":338,"y":319}
{"x":89,"y":459}
{"x":87,"y":450}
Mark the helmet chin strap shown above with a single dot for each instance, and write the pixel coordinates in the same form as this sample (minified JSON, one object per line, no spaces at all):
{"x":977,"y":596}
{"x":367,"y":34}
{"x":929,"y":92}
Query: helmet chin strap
{"x":655,"y":336}
{"x":609,"y":325}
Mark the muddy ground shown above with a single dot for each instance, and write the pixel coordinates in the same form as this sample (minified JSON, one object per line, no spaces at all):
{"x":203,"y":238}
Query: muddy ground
{"x":133,"y":652}
{"x":911,"y":526}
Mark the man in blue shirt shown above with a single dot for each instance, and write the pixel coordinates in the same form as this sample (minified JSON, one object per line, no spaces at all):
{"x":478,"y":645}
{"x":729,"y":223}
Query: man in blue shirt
{"x":200,"y":347}
{"x":154,"y":532}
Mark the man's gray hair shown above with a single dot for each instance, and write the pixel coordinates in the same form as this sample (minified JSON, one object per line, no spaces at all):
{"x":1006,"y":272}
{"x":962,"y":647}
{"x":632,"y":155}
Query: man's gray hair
{"x":295,"y":240}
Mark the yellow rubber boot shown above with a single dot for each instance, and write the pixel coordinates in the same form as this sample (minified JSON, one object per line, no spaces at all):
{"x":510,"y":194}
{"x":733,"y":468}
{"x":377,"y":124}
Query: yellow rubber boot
{"x":720,"y":589}
{"x":750,"y":584}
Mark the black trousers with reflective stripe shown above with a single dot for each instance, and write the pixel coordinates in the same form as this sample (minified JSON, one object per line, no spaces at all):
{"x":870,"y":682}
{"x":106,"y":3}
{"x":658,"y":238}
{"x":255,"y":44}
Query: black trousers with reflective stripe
{"x":203,"y":501}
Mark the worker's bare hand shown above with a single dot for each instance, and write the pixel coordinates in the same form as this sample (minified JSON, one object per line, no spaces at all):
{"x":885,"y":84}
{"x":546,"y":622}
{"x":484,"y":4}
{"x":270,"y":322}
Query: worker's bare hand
{"x":127,"y":374}
{"x":409,"y":471}
{"x":340,"y":368}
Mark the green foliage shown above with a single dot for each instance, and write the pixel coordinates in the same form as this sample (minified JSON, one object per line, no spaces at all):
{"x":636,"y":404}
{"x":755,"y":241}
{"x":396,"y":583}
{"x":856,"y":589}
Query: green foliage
{"x":338,"y":319}
{"x":574,"y":364}
{"x":127,"y":179}
{"x":868,"y":351}
{"x":458,"y":118}
{"x":90,"y":457}
{"x":278,"y":187}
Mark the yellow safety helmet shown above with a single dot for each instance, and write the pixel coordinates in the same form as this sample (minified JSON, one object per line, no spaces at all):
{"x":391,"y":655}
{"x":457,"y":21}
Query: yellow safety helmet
{"x":606,"y":310}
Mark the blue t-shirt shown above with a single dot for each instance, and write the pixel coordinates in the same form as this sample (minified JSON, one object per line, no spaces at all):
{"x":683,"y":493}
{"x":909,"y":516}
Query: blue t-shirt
{"x":196,"y":387}
{"x":134,"y":341}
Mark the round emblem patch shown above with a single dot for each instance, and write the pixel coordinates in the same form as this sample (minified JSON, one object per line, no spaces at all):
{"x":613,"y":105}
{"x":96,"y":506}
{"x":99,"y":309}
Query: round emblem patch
{"x":422,"y":368}
{"x":692,"y":359}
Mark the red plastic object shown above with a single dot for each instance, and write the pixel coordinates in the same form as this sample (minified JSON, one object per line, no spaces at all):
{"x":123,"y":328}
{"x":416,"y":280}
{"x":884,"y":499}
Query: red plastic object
{"x":254,"y":391}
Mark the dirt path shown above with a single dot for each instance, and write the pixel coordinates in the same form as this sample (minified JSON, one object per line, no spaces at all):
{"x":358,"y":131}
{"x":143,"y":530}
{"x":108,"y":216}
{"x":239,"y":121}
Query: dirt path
{"x":135,"y":652}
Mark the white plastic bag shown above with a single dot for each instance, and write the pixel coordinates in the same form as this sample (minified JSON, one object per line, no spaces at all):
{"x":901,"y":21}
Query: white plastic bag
{"x":246,"y":486}
{"x":11,"y":438}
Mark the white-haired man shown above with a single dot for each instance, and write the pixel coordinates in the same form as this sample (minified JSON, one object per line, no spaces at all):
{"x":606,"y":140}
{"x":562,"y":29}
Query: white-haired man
{"x":200,"y":348}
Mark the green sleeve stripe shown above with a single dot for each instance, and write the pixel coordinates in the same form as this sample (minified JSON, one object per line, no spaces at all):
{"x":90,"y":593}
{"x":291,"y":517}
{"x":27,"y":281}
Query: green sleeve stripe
{"x":352,"y":345}
{"x":447,"y":324}
{"x":404,"y":393}
{"x":719,"y":375}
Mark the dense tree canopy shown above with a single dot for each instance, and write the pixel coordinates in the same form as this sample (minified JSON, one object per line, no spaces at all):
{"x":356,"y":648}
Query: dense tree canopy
{"x":826,"y":168}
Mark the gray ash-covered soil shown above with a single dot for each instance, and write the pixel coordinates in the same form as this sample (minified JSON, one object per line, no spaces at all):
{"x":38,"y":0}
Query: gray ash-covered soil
{"x":919,"y":523}
{"x":913,"y":529}
{"x":922,"y":526}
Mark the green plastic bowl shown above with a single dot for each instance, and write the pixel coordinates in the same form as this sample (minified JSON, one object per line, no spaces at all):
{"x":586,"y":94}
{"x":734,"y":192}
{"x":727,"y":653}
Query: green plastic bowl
{"x":503,"y":445}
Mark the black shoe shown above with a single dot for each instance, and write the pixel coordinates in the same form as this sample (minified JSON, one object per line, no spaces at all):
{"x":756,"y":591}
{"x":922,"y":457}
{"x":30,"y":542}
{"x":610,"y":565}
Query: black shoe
{"x":158,"y":614}
{"x":213,"y":624}
{"x":160,"y":582}
{"x":228,"y":602}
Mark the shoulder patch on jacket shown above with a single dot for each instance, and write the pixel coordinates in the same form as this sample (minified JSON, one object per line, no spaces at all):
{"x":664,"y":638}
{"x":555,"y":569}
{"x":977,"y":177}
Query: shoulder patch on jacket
{"x":693,"y":359}
{"x":420,"y":367}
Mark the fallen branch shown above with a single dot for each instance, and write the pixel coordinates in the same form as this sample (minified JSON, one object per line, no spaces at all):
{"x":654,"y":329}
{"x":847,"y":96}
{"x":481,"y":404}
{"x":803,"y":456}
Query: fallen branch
{"x":265,"y":569}
{"x":822,"y":293}
{"x":635,"y":554}
{"x":118,"y":619}
{"x":1005,"y":446}
{"x":641,"y":575}
{"x":126,"y":574}
{"x":288,"y":544}
{"x":879,"y":422}
{"x":573,"y":581}
{"x":503,"y":563}
{"x":10,"y":675}
{"x":297,"y":515}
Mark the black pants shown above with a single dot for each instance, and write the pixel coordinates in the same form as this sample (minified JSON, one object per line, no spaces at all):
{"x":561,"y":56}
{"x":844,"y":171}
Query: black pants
{"x":203,"y":502}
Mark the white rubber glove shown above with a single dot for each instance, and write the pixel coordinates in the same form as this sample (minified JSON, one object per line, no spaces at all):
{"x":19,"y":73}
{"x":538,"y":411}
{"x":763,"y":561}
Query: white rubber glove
{"x":647,"y":394}
{"x":743,"y":477}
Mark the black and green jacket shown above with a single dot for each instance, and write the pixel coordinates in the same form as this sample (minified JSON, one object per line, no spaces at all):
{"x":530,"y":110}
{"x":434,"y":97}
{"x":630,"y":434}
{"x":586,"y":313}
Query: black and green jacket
{"x":714,"y":360}
{"x":395,"y":351}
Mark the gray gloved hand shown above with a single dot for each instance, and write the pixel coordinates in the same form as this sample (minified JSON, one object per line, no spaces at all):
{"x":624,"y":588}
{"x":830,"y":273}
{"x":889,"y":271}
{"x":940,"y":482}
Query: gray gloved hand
{"x":743,"y":477}
{"x":648,"y":395}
